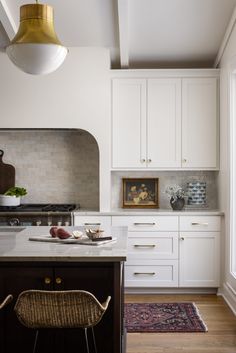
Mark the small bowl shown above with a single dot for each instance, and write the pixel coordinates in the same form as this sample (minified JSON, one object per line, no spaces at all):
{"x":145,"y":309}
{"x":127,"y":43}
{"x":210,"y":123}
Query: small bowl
{"x":94,"y":233}
{"x":7,"y":200}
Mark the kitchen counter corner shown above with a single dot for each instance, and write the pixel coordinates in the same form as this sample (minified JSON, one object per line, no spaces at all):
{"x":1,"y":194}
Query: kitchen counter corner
{"x":16,"y":246}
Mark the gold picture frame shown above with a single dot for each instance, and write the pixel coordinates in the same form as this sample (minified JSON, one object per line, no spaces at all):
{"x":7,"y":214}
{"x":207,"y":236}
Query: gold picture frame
{"x":140,"y":193}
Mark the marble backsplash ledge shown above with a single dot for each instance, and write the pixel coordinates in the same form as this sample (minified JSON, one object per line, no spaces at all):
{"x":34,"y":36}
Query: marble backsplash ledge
{"x":167,"y":178}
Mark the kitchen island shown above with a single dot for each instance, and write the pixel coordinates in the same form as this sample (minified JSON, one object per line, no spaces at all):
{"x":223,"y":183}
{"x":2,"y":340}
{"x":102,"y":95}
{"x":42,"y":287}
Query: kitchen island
{"x":26,"y":264}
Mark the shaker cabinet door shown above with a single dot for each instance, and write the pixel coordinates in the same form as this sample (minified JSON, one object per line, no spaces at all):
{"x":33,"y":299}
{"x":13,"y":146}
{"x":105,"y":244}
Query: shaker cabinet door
{"x":200,"y":123}
{"x":199,"y":259}
{"x":164,"y":123}
{"x":129,"y":123}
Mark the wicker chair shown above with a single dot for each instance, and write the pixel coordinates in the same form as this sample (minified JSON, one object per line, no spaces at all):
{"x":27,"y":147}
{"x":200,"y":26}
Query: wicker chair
{"x":6,"y":301}
{"x":60,"y":309}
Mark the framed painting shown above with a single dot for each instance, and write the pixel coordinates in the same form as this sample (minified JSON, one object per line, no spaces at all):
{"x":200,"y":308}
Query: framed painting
{"x":140,"y":193}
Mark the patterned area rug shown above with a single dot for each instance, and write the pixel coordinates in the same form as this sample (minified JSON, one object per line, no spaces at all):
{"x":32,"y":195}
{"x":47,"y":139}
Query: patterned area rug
{"x":163,"y":317}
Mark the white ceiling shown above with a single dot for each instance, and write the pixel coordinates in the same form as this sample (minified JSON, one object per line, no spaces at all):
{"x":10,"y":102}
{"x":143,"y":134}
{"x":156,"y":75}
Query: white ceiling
{"x":139,"y":33}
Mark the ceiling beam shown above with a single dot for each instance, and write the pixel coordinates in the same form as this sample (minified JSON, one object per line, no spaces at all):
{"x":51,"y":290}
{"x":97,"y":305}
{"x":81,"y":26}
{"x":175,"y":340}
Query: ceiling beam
{"x":7,"y":20}
{"x":226,"y":38}
{"x":123,"y":7}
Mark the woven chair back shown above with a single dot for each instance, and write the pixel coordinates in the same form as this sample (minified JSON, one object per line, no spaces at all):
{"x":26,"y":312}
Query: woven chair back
{"x":59,"y":309}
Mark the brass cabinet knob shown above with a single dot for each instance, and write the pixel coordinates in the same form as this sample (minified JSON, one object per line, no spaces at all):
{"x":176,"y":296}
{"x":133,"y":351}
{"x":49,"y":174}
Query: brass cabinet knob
{"x":47,"y":280}
{"x":58,"y":280}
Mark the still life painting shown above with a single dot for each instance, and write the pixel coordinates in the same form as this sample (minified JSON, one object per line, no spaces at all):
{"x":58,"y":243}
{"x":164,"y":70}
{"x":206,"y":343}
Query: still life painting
{"x":140,"y":193}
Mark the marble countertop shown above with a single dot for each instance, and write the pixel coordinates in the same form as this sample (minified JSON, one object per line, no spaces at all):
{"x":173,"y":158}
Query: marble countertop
{"x":16,"y":246}
{"x":148,"y":212}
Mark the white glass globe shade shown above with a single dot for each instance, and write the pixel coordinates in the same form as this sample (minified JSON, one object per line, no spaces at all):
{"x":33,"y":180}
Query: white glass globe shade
{"x":37,"y":58}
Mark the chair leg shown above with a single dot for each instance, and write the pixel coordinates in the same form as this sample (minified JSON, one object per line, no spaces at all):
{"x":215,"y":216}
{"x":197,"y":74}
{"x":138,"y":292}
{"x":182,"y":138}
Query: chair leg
{"x":35,"y":341}
{"x":86,"y":339}
{"x":94,"y":341}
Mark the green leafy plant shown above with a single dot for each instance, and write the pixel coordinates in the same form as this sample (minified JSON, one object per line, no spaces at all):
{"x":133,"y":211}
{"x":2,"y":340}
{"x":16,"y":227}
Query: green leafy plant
{"x":16,"y":191}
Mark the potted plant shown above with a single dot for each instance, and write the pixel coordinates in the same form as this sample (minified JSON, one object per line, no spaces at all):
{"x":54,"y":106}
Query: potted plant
{"x":12,"y":196}
{"x":176,"y":195}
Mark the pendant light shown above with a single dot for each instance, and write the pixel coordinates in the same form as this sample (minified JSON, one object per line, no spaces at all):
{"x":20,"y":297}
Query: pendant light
{"x":35,"y":49}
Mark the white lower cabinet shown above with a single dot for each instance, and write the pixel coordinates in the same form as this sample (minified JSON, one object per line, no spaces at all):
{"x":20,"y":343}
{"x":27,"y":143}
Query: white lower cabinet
{"x":172,"y":251}
{"x":199,"y":259}
{"x":167,"y":251}
{"x":151,"y":273}
{"x":199,"y":251}
{"x":158,"y":245}
{"x":152,"y":259}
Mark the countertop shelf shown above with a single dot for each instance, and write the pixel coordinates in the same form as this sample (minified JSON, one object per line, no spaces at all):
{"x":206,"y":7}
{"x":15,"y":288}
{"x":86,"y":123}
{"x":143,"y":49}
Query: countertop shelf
{"x":148,"y":212}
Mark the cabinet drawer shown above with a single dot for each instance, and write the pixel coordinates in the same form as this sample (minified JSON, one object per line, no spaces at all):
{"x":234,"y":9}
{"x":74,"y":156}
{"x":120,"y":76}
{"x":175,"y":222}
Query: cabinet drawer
{"x":93,"y":221}
{"x":200,"y":223}
{"x":147,"y":223}
{"x":158,"y":246}
{"x":162,"y":273}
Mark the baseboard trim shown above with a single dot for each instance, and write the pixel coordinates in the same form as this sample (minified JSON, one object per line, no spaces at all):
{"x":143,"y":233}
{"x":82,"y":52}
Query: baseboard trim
{"x":171,"y":290}
{"x":229,"y":295}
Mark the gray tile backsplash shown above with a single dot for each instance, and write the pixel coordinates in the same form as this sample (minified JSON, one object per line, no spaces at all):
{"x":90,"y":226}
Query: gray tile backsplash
{"x":60,"y":166}
{"x":167,"y":178}
{"x":56,"y":166}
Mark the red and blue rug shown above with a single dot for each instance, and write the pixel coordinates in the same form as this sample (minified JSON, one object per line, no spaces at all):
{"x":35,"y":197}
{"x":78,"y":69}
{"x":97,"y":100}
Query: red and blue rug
{"x":163,"y":317}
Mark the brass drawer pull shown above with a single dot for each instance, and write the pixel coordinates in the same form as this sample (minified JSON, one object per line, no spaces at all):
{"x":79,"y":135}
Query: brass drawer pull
{"x":144,"y":245}
{"x":199,"y":224}
{"x":92,"y":224}
{"x":144,"y":273}
{"x":47,"y":280}
{"x":144,"y":224}
{"x":58,"y":280}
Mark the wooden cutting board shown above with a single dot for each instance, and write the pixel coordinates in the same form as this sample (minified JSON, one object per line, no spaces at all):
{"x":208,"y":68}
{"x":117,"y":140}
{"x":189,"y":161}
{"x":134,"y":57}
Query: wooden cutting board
{"x":7,"y":175}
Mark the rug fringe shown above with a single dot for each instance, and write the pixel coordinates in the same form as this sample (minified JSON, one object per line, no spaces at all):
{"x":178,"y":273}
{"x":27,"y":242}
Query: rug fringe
{"x":197,"y":310}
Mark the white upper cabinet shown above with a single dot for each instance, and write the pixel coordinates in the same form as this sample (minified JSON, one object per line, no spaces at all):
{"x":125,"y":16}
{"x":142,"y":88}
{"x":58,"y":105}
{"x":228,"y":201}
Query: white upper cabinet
{"x":165,"y":122}
{"x":146,"y":123}
{"x":129,"y":123}
{"x":199,"y":123}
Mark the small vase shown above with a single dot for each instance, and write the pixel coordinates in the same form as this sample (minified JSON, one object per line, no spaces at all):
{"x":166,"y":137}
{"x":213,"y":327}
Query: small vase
{"x":178,"y":204}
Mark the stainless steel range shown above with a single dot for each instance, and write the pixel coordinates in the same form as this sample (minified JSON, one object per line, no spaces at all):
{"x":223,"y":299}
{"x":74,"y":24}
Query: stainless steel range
{"x":37,"y":215}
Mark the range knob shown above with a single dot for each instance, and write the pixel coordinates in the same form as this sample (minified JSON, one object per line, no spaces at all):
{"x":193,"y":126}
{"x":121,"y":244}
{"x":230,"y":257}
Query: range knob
{"x":14,"y":222}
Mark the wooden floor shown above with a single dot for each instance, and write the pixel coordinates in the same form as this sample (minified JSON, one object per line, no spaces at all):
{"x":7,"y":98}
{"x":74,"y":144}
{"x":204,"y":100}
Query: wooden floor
{"x":221,"y":323}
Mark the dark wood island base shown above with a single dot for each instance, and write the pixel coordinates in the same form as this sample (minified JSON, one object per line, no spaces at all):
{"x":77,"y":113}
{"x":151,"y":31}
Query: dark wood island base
{"x":100,"y":278}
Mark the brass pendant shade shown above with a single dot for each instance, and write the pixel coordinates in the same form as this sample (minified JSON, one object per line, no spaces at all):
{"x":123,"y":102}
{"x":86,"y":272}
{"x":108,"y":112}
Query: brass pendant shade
{"x":36,"y":37}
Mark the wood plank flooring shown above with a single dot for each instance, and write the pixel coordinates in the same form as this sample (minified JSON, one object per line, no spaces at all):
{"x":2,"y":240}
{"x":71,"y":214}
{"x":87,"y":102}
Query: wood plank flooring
{"x":221,"y":323}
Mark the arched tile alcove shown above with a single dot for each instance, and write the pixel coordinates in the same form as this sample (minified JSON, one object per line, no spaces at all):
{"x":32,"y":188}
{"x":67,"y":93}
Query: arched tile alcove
{"x":54,"y":165}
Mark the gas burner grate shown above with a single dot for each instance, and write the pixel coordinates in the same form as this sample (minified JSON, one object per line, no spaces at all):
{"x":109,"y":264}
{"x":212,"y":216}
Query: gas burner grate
{"x":59,"y":208}
{"x":40,"y":208}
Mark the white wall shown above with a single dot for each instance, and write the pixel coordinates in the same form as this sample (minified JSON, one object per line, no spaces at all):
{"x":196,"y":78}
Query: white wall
{"x":77,"y":95}
{"x":226,"y":65}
